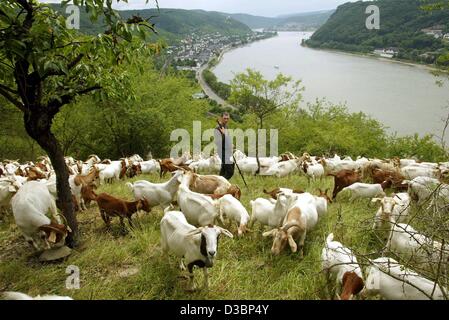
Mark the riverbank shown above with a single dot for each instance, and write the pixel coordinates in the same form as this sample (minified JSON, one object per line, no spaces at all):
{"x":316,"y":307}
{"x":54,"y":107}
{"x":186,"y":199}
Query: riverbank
{"x":209,"y":66}
{"x":428,"y":67}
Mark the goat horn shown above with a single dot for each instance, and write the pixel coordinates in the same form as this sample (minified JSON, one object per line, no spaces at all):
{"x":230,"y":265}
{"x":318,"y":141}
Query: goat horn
{"x":290,"y":225}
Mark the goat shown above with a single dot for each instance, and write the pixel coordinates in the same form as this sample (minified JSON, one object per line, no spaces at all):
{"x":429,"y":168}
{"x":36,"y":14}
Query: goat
{"x":8,"y":187}
{"x":393,"y":209}
{"x":342,"y":179}
{"x":366,"y":190}
{"x":301,"y":217}
{"x":157,"y":194}
{"x":342,"y":264}
{"x":274,"y":193}
{"x":9,"y":295}
{"x":110,"y":206}
{"x":269,"y":214}
{"x":88,"y":194}
{"x":408,"y":243}
{"x":197,"y":246}
{"x":232,"y":208}
{"x":198,"y":208}
{"x":393,"y":281}
{"x":30,"y":205}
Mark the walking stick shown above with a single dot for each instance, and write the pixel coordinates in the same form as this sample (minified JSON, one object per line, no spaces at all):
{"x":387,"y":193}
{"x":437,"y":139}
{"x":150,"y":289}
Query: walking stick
{"x":243,"y":178}
{"x":235,"y":161}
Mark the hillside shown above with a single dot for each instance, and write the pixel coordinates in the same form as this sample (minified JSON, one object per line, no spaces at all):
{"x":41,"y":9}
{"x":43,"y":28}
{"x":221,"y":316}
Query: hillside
{"x":401,"y":25}
{"x":300,"y":21}
{"x":174,"y":23}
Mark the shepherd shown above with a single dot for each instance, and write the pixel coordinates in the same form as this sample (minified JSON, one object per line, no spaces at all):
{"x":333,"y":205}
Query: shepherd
{"x":224,"y":146}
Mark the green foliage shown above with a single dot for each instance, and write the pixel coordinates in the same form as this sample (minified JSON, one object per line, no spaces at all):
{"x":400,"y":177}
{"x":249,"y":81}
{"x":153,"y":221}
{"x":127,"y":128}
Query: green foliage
{"x":223,"y":90}
{"x":171,"y":24}
{"x":302,"y":21}
{"x":401,"y":22}
{"x":115,"y":128}
{"x":254,"y":94}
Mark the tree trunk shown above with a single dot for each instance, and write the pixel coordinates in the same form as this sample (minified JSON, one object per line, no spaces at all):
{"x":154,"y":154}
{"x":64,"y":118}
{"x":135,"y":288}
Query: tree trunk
{"x":38,"y":126}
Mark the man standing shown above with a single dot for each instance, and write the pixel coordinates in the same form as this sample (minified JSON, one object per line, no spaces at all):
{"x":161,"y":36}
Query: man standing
{"x":224,"y":147}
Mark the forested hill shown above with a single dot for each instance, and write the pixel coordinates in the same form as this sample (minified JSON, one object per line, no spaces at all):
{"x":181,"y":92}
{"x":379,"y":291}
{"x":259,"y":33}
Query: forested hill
{"x":401,"y":22}
{"x":173,"y":23}
{"x":300,"y":21}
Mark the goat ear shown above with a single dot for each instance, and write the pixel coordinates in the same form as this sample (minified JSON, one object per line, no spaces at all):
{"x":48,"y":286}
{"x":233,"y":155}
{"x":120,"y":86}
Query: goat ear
{"x":225,"y":232}
{"x":195,"y":232}
{"x":270,"y":233}
{"x":292,"y":244}
{"x":374,"y":200}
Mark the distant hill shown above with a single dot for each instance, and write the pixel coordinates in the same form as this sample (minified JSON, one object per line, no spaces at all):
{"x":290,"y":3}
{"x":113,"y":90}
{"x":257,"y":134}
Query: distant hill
{"x":298,"y":21}
{"x":401,"y":22}
{"x":174,"y":23}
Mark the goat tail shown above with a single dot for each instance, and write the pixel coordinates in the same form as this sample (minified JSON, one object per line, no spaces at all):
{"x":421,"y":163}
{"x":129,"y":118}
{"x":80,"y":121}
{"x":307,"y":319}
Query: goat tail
{"x":130,"y":186}
{"x":329,"y":238}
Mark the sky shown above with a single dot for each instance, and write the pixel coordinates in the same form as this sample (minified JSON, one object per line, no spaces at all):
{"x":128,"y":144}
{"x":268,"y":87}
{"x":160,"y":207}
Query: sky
{"x":268,"y":8}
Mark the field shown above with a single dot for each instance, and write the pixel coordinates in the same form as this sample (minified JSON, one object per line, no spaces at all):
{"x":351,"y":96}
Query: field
{"x":114,"y":265}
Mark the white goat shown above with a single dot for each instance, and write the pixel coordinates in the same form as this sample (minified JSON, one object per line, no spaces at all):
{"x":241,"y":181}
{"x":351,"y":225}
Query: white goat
{"x":393,"y":281}
{"x":392,"y":210}
{"x":161,"y":194}
{"x":30,"y":206}
{"x":269,"y":214}
{"x":198,"y":246}
{"x":233,"y":209}
{"x":8,"y":187}
{"x":365,"y":190}
{"x":421,"y":189}
{"x":410,"y":244}
{"x":341,"y":263}
{"x":9,"y":295}
{"x":198,"y":208}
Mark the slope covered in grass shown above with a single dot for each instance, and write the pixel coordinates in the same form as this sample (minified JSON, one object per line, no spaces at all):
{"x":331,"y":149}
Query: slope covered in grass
{"x":131,"y":266}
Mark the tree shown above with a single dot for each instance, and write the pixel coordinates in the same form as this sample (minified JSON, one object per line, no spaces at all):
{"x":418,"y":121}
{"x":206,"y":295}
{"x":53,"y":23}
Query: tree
{"x":44,"y":66}
{"x":255,"y":95}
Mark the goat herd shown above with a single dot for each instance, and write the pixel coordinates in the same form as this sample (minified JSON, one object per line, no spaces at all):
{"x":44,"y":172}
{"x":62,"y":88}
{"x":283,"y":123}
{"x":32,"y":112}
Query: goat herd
{"x":192,"y":233}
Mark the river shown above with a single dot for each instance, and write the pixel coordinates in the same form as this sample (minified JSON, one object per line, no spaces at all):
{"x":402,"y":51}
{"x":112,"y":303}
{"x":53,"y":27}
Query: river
{"x":403,"y":97}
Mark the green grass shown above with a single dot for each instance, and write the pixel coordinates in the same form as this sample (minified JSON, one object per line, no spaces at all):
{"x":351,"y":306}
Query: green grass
{"x":244,"y":268}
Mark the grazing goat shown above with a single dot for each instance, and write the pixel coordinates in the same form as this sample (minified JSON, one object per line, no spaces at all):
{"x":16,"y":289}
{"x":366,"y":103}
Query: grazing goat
{"x":198,"y":208}
{"x":112,"y":207}
{"x":422,"y":188}
{"x":342,"y":179}
{"x":157,"y":194}
{"x":301,"y":217}
{"x":30,"y":206}
{"x":232,"y":208}
{"x":342,"y":264}
{"x":393,"y":281}
{"x":274,"y":193}
{"x":366,"y":190}
{"x":88,"y":194}
{"x":392,"y":209}
{"x":269,"y":214}
{"x":410,"y":244}
{"x":197,"y":246}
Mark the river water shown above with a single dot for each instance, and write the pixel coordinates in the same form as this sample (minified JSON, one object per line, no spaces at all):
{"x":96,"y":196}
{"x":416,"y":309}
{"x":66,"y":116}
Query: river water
{"x":403,"y":97}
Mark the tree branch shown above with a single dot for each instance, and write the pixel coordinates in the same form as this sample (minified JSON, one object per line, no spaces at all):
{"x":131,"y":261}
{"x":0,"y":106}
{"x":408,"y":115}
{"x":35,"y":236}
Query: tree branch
{"x":11,"y":99}
{"x":56,"y":104}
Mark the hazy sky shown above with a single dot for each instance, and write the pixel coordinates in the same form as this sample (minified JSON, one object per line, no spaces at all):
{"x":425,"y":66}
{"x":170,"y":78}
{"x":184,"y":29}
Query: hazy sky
{"x":257,"y":7}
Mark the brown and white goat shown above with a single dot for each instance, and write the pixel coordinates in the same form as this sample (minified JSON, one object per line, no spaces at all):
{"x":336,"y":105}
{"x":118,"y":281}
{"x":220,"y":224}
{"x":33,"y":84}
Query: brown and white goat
{"x":113,"y":207}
